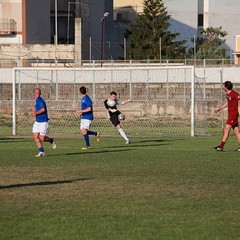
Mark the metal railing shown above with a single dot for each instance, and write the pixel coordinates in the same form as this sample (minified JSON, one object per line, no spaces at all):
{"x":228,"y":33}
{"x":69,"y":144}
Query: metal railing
{"x":71,"y":62}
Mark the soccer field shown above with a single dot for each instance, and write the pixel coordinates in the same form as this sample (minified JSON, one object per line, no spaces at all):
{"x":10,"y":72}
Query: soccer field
{"x":155,"y":188}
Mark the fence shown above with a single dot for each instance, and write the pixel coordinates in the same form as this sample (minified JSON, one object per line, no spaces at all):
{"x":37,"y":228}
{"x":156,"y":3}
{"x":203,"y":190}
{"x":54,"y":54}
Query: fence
{"x":59,"y":59}
{"x":164,"y":99}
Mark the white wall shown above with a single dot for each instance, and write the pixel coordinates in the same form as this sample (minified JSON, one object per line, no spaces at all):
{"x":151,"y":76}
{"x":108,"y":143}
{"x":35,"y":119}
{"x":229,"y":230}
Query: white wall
{"x":212,"y":75}
{"x":184,"y":18}
{"x":226,"y":13}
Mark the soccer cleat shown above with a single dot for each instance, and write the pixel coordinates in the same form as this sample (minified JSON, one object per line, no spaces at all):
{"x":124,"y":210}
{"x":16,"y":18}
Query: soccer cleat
{"x":238,"y":150}
{"x":85,"y":148}
{"x":128,"y":142}
{"x":218,"y":148}
{"x":98,"y":136}
{"x":40,"y":154}
{"x":53,"y":143}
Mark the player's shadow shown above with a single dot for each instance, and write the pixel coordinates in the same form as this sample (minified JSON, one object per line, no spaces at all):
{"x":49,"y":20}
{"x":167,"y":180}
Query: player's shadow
{"x":13,"y":140}
{"x":159,"y":140}
{"x":132,"y":146}
{"x":46,"y":183}
{"x":152,"y":143}
{"x":151,"y":140}
{"x":137,"y":145}
{"x":94,"y":152}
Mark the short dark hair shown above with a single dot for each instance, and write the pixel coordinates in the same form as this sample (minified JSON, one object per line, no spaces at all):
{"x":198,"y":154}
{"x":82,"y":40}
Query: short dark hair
{"x":113,"y":93}
{"x":228,"y":85}
{"x":37,"y":89}
{"x":83,"y":90}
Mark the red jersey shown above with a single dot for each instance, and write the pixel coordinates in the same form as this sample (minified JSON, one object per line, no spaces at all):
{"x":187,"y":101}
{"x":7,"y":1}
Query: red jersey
{"x":233,"y":98}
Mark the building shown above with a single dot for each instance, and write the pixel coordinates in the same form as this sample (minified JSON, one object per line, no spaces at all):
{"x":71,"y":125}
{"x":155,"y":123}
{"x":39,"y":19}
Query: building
{"x":79,"y":28}
{"x":237,"y":50}
{"x":10,"y":21}
{"x":188,"y":17}
{"x":59,"y":22}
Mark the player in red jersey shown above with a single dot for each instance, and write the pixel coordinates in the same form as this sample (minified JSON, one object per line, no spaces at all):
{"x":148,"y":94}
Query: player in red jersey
{"x":232,"y":121}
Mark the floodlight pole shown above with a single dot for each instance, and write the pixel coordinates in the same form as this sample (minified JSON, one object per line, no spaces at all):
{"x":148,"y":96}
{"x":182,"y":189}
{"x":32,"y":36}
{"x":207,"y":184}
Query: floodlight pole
{"x":56,"y":23}
{"x":105,"y":15}
{"x":56,"y":30}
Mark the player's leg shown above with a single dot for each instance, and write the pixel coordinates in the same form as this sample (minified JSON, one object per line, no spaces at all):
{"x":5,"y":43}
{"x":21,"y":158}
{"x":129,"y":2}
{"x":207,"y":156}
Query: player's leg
{"x":225,"y":137}
{"x":36,"y":136}
{"x":85,"y":125}
{"x":47,"y":138}
{"x":86,"y":138}
{"x":122,"y":133}
{"x":96,"y":134}
{"x":237,"y":134}
{"x":51,"y":141}
{"x":115,"y":121}
{"x":38,"y":141}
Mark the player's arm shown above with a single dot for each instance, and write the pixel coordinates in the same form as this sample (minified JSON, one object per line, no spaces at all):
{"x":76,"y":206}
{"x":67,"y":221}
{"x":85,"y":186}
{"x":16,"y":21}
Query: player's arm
{"x":221,"y":107}
{"x":109,"y":109}
{"x":125,"y":102}
{"x":105,"y":104}
{"x":86,"y":110}
{"x":42,"y":110}
{"x":34,"y":112}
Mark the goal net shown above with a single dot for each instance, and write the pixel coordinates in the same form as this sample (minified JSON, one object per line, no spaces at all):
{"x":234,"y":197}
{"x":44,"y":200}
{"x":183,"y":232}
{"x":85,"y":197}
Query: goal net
{"x":165,"y":100}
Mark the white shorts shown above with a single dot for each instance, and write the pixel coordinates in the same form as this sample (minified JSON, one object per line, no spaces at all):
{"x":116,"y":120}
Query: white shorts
{"x":41,"y":128}
{"x":85,"y":123}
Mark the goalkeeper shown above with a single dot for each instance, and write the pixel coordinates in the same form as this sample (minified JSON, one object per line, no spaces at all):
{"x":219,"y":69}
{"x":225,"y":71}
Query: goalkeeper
{"x":115,"y":115}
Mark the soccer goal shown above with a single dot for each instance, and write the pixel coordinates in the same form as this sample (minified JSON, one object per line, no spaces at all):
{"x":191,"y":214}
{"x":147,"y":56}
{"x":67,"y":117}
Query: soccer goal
{"x":165,"y":100}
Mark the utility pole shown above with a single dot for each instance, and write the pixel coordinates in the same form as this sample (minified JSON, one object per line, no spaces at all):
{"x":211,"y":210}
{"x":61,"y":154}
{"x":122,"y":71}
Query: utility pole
{"x":105,"y":15}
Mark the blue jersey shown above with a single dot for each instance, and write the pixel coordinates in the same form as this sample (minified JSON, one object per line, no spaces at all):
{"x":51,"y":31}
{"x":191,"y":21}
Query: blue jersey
{"x":85,"y":103}
{"x":39,"y":104}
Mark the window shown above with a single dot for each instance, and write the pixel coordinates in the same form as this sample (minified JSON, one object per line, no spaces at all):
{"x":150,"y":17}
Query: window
{"x":119,"y":17}
{"x":200,"y":20}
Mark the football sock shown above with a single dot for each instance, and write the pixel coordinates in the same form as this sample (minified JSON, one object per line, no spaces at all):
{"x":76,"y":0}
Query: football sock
{"x":50,"y":140}
{"x":86,"y":138}
{"x":222,"y":144}
{"x":41,"y":149}
{"x":123,"y":134}
{"x":91,"y":133}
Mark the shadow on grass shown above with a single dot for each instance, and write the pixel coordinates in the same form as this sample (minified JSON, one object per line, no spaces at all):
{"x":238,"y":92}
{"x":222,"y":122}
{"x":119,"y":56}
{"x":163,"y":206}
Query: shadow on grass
{"x":152,"y":143}
{"x":19,"y":185}
{"x":12,"y":140}
{"x":91,"y":152}
{"x":159,"y":140}
{"x":135,"y":145}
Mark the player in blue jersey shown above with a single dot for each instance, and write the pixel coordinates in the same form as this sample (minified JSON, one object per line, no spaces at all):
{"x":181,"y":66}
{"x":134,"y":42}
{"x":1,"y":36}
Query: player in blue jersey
{"x":115,"y":115}
{"x":40,"y":126}
{"x":86,"y":114}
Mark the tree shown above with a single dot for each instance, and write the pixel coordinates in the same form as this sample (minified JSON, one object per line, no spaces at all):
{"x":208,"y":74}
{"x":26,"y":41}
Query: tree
{"x":209,"y":45}
{"x":151,"y":26}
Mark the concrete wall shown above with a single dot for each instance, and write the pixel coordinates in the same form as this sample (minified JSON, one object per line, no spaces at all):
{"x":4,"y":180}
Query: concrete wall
{"x":37,"y":51}
{"x":211,"y":75}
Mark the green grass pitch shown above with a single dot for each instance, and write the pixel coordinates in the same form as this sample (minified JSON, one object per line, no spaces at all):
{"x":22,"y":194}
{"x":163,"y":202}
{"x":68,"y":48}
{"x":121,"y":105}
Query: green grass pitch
{"x":155,"y":188}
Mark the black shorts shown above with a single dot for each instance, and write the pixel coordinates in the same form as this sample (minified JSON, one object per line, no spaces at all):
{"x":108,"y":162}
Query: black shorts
{"x":114,"y":118}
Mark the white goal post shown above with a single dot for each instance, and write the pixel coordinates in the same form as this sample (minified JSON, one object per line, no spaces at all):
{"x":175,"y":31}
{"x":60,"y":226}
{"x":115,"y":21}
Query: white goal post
{"x":163,"y":99}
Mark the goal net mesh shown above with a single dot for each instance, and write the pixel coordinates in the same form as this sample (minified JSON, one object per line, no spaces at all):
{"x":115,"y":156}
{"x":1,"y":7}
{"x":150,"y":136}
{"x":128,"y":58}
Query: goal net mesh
{"x":161,"y":99}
